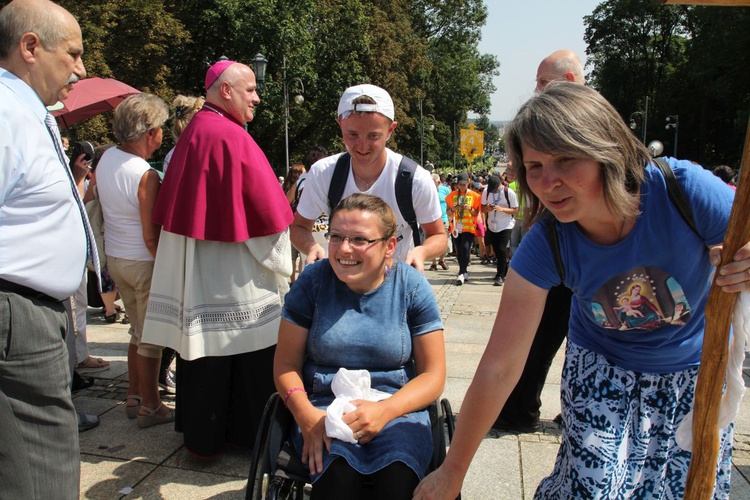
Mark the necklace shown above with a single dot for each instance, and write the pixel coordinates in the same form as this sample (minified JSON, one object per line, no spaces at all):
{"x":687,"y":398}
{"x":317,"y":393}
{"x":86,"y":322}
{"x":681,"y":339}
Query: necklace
{"x":367,"y":185}
{"x":211,"y":108}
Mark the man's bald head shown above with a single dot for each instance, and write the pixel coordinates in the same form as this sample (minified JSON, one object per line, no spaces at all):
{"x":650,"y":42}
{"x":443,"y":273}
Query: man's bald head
{"x":560,"y":65}
{"x":235,"y":92}
{"x":43,"y":17}
{"x":40,"y":43}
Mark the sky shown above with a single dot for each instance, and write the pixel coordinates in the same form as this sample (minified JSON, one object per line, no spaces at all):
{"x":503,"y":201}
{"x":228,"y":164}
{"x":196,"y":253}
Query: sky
{"x":520,"y":33}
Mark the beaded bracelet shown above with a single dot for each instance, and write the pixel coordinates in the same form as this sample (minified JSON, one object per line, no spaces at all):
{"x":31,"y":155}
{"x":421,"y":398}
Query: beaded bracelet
{"x":290,"y":391}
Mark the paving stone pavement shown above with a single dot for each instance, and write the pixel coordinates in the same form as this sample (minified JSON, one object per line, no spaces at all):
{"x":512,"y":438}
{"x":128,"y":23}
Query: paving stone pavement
{"x":121,"y":461}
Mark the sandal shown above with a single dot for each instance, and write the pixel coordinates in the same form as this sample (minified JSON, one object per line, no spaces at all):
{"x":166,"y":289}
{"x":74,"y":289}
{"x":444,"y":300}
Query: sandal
{"x":433,"y":267}
{"x":92,"y":365}
{"x":151,"y":418}
{"x":111,"y":318}
{"x":118,"y":309}
{"x":125,"y":319}
{"x":132,"y":411}
{"x":443,"y":264}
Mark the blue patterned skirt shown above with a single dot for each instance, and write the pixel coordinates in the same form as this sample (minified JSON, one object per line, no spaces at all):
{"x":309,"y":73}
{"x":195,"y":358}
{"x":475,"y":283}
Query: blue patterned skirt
{"x":618,"y":435}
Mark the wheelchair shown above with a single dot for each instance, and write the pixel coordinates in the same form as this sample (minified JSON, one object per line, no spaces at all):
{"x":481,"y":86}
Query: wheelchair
{"x":277,"y":473}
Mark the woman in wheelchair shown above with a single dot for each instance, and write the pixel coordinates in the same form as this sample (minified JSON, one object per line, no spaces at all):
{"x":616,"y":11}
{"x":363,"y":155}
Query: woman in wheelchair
{"x":360,"y":310}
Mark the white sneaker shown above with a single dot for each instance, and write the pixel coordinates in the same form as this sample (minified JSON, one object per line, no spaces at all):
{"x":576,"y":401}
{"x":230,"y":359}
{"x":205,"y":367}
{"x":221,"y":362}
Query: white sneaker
{"x":460,"y":279}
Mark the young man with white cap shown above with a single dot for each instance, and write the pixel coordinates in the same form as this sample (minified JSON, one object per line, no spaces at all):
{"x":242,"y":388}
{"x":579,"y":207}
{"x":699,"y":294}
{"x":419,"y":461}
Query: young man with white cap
{"x":366,"y":117}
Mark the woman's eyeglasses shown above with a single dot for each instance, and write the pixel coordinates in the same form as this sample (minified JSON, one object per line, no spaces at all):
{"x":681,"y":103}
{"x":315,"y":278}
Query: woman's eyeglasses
{"x":355,"y":241}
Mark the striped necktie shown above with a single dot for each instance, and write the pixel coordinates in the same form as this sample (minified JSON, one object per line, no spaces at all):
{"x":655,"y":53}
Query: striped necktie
{"x":54,"y":132}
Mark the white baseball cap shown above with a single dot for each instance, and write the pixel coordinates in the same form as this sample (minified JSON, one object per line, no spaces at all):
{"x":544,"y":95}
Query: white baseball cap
{"x":383,"y":102}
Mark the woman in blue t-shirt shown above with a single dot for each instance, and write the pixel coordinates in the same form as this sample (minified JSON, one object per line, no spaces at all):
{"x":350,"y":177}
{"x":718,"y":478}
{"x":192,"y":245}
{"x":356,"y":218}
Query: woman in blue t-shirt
{"x":640,"y":277}
{"x":361,"y":311}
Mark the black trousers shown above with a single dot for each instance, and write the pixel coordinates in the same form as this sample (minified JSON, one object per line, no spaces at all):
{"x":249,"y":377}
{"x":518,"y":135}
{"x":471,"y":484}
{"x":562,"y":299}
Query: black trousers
{"x":341,"y":481}
{"x":522,"y":407}
{"x":220,"y":399}
{"x":463,"y":245}
{"x":499,"y":241}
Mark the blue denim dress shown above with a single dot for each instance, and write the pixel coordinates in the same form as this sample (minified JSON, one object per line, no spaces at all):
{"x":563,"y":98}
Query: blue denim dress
{"x":370,"y":331}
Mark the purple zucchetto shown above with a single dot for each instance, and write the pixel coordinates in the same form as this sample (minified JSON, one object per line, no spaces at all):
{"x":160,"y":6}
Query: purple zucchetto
{"x":216,"y":70}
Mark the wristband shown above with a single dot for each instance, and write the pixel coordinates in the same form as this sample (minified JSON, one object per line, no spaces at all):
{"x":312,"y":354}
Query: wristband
{"x":293,"y":390}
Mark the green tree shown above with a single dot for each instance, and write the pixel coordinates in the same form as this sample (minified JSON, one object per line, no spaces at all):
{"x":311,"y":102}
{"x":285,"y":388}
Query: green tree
{"x":129,"y":41}
{"x":420,"y":50}
{"x":459,"y":78}
{"x":491,"y":134}
{"x":634,"y":47}
{"x":671,"y":54}
{"x":714,"y":99}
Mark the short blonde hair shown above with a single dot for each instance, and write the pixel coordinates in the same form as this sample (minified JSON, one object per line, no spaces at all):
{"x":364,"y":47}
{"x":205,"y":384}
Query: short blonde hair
{"x":184,"y":109}
{"x":138,"y":114}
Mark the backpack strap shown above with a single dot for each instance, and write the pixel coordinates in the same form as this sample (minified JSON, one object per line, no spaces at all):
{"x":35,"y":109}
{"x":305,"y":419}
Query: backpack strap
{"x":338,"y":181}
{"x":403,"y":186}
{"x":675,"y":193}
{"x":507,"y":200}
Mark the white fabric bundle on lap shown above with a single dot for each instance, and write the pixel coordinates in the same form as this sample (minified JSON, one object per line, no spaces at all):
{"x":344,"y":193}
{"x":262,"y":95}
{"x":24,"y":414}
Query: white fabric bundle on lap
{"x":347,"y":386}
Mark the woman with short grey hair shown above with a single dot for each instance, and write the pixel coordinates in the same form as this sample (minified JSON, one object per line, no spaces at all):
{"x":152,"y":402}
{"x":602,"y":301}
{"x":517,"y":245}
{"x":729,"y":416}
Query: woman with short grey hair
{"x":128,"y":188}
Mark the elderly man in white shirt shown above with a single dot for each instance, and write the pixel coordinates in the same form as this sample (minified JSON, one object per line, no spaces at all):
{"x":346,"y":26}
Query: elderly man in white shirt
{"x":43,"y":249}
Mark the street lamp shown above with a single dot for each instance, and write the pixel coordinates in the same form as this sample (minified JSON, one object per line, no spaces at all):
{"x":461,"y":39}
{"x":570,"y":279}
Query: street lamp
{"x":673,"y":122}
{"x":633,"y":125}
{"x":421,"y":132}
{"x":644,"y":120}
{"x":259,"y":68}
{"x":656,"y":148}
{"x":298,"y":99}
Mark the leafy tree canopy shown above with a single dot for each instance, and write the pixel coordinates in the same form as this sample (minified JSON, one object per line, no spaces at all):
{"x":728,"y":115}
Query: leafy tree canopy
{"x":421,"y":51}
{"x":677,"y":60}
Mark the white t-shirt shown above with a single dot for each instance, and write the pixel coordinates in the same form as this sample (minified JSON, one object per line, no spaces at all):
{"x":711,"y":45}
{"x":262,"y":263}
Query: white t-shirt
{"x":499,"y":221}
{"x":314,"y":199}
{"x":117,"y":177}
{"x":167,"y":159}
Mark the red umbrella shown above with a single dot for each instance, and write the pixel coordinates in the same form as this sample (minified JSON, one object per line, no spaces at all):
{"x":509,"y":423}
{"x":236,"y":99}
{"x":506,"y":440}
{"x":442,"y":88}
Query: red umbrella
{"x":91,"y":97}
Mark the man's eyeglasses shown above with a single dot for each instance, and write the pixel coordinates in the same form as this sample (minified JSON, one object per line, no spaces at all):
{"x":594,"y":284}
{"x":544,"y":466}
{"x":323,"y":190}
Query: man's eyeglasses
{"x":355,"y":241}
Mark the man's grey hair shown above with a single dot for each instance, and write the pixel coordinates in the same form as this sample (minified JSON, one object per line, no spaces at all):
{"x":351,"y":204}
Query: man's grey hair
{"x":18,"y":18}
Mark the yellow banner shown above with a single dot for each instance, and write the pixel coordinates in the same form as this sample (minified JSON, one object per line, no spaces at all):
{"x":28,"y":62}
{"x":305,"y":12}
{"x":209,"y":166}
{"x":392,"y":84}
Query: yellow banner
{"x":472,"y":142}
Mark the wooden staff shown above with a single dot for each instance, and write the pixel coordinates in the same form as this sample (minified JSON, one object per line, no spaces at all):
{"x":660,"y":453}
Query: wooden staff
{"x":712,"y":371}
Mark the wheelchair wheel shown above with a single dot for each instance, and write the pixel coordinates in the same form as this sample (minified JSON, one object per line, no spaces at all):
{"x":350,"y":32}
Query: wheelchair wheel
{"x":450,"y":420}
{"x":266,"y":480}
{"x":260,"y":464}
{"x":442,"y":432}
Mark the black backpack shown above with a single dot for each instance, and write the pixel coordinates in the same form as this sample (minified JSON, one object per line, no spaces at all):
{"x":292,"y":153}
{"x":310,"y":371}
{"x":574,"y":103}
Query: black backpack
{"x":676,"y":196}
{"x":402,"y":186}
